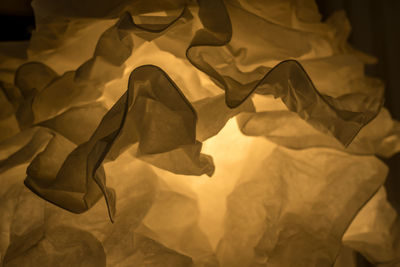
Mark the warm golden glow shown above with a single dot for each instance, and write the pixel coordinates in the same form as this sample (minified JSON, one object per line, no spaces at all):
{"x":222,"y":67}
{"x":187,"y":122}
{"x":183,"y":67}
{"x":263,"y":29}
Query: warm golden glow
{"x":205,"y":133}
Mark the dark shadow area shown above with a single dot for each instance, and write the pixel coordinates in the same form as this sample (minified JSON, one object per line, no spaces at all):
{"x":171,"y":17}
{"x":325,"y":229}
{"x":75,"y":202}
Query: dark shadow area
{"x":375,"y":30}
{"x":16,"y":20}
{"x":16,"y":28}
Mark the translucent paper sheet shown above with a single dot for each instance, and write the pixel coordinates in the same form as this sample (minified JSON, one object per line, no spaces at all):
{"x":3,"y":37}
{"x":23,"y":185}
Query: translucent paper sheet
{"x":219,"y":133}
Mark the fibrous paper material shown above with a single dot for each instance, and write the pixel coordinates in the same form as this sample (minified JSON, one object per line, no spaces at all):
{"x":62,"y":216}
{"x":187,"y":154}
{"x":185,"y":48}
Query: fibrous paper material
{"x":192,"y":133}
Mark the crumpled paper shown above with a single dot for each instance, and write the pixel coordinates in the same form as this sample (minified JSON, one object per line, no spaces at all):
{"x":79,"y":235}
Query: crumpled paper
{"x":273,"y":218}
{"x":140,"y":101}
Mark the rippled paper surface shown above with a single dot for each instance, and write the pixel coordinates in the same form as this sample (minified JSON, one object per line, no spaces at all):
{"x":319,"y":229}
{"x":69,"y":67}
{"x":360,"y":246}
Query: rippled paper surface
{"x":219,"y":133}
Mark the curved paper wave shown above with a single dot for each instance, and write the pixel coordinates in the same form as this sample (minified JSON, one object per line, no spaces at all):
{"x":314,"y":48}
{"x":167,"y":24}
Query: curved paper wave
{"x":287,"y":80}
{"x":153,"y":113}
{"x":74,"y":117}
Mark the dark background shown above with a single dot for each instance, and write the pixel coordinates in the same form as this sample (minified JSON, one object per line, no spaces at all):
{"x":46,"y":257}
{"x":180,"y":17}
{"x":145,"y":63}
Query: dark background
{"x":375,"y":30}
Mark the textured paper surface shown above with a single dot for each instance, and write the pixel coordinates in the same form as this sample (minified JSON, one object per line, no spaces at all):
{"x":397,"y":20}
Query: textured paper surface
{"x":218,"y":133}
